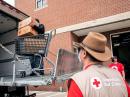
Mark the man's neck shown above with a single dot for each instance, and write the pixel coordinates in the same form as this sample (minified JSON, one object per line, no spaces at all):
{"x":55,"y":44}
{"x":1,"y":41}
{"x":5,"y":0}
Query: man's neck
{"x":88,"y":62}
{"x":115,"y":62}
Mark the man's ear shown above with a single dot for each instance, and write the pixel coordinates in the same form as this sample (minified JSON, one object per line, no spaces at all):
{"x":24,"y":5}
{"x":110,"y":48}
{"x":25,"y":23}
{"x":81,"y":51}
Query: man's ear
{"x":84,"y":54}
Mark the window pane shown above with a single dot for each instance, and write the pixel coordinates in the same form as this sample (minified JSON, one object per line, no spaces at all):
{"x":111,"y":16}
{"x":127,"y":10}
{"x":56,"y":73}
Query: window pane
{"x":38,"y":4}
{"x":41,"y":3}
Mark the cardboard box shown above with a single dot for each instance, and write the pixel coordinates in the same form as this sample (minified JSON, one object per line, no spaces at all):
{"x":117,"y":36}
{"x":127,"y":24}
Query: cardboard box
{"x":26,"y":31}
{"x":27,"y":22}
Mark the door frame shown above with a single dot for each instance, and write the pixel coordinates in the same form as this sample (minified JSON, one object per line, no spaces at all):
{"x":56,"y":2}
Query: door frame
{"x":118,"y":33}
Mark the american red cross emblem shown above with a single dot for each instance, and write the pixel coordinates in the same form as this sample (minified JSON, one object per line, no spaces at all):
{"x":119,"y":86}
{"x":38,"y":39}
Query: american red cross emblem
{"x":114,"y":67}
{"x":96,"y":83}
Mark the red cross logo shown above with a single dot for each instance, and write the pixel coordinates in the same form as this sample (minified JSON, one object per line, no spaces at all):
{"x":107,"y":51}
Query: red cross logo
{"x":114,"y":67}
{"x":96,"y":83}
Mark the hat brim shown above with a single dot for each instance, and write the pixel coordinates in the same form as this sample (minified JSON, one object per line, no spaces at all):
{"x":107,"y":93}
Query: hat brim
{"x":105,"y":56}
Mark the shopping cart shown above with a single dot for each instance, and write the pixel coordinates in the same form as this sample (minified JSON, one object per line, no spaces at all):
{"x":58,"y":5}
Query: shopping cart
{"x":31,"y":45}
{"x":35,"y":46}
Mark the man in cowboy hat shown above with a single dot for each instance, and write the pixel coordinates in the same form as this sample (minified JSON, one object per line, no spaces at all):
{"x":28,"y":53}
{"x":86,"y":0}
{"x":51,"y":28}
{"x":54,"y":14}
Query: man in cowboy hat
{"x":96,"y":79}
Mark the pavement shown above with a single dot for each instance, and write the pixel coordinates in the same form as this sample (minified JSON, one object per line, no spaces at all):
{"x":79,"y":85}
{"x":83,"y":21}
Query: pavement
{"x":49,"y":94}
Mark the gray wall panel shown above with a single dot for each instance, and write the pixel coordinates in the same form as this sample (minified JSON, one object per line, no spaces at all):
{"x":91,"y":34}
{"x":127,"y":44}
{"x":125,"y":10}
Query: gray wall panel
{"x":8,"y":37}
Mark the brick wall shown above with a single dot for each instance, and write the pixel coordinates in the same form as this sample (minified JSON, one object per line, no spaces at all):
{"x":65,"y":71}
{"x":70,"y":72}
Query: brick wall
{"x":60,"y":13}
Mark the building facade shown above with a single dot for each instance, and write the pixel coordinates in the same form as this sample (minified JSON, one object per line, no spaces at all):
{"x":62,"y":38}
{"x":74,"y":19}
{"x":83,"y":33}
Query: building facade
{"x":73,"y":19}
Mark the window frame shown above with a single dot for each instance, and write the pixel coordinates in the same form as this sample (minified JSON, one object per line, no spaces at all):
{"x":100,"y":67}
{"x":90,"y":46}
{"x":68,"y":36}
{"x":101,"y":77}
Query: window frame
{"x":43,"y":4}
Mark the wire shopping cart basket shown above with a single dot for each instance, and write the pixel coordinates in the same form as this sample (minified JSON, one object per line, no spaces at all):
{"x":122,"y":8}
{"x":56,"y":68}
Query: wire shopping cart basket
{"x":33,"y":44}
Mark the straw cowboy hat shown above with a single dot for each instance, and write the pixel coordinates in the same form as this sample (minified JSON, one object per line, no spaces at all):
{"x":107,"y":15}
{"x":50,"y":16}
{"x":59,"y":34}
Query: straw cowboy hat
{"x":95,"y":44}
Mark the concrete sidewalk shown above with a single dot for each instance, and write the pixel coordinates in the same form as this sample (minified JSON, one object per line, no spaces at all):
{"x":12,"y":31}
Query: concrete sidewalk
{"x":49,"y":94}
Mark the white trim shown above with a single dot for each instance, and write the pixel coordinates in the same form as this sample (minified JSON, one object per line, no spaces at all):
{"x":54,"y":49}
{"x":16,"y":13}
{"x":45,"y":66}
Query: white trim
{"x":120,"y":32}
{"x":97,"y":22}
{"x":116,"y":34}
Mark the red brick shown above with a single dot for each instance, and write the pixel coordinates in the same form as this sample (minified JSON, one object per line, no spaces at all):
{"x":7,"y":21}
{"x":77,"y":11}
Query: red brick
{"x":60,"y":13}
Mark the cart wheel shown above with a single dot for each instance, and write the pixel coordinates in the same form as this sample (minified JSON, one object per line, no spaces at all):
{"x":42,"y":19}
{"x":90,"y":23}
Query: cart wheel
{"x":22,"y":74}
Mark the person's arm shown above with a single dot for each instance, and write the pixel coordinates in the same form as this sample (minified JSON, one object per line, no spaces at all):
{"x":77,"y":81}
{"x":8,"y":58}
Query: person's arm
{"x":41,"y":28}
{"x":74,"y":90}
{"x":122,"y":71}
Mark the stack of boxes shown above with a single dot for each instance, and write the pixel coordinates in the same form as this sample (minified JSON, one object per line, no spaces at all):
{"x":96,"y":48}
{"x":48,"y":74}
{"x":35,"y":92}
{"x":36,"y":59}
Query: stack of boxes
{"x":29,"y":42}
{"x":25,"y":27}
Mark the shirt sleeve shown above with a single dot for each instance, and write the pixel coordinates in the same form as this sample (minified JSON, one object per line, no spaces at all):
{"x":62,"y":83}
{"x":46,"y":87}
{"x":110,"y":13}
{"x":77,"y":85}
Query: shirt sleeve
{"x":74,"y":90}
{"x":122,"y":67}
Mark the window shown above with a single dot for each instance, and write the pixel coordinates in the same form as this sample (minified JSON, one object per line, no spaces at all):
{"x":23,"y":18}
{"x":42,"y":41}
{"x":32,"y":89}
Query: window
{"x":41,"y":4}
